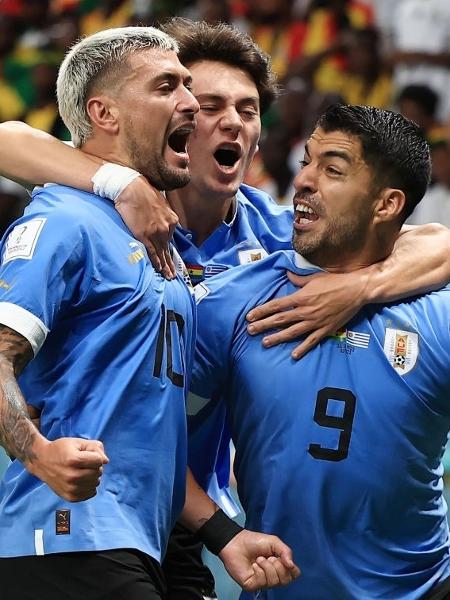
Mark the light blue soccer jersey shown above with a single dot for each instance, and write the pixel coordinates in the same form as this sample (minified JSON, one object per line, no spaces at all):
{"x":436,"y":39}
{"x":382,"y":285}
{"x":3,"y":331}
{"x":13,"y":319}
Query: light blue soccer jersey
{"x":113,"y":342}
{"x":339,"y":453}
{"x":259,"y":227}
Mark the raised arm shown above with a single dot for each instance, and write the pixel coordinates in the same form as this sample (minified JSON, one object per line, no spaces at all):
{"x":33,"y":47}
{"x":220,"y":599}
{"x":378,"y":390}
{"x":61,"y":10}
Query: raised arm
{"x":70,"y":466}
{"x":419,"y":263}
{"x":32,"y":157}
{"x":254,"y":560}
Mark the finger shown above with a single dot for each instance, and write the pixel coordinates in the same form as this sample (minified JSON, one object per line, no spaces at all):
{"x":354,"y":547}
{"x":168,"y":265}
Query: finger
{"x":173,"y":222}
{"x":276,"y":321}
{"x":310,"y":342}
{"x":270,"y":308}
{"x":257,"y":580}
{"x":80,"y":484}
{"x":85,"y":478}
{"x":285,"y":574}
{"x":270,"y":570}
{"x":87,"y":459}
{"x":161,"y":255}
{"x":169,"y":262}
{"x":285,"y":557}
{"x":301,"y":280}
{"x":153,"y":256}
{"x":96,"y":446}
{"x":286,"y":335}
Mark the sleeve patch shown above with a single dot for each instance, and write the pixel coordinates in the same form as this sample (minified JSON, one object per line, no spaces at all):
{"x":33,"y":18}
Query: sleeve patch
{"x":22,"y":240}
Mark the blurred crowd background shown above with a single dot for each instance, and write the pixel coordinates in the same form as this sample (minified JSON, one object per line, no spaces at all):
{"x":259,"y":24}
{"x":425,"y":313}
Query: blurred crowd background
{"x":387,"y":54}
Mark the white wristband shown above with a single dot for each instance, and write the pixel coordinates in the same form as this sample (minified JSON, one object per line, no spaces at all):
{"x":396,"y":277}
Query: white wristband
{"x":110,"y":180}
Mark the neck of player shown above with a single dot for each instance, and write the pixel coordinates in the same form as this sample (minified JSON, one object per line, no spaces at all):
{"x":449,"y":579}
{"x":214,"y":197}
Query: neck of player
{"x":202,"y":216}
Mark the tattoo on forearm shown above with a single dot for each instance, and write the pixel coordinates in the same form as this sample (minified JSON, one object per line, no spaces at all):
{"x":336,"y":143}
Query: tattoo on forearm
{"x":16,"y":434}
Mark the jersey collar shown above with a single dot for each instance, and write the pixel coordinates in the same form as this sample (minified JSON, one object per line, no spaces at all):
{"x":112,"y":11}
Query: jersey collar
{"x":302,"y":263}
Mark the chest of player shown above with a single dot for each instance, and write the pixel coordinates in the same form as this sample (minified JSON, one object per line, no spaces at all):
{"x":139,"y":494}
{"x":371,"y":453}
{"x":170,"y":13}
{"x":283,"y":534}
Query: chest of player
{"x":360,"y":393}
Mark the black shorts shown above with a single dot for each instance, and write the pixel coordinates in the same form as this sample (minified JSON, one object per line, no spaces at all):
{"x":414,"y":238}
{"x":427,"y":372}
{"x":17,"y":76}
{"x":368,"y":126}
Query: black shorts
{"x":187,"y":578}
{"x":107,"y":575}
{"x":440,"y":592}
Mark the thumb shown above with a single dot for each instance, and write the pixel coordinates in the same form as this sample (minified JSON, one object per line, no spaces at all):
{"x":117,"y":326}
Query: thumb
{"x":283,"y":552}
{"x":301,"y":280}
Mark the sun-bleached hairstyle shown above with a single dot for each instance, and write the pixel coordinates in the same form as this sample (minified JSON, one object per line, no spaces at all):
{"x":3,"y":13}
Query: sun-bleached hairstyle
{"x":98,"y":62}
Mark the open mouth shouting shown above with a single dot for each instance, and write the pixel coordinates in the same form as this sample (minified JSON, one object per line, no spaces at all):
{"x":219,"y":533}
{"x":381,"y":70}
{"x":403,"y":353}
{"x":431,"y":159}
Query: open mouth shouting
{"x":178,"y":139}
{"x":227,"y":156}
{"x":305,"y":215}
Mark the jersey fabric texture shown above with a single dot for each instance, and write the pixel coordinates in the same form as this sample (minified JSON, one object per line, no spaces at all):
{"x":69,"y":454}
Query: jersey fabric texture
{"x":113,"y":367}
{"x":259,"y":227}
{"x":340,"y":452}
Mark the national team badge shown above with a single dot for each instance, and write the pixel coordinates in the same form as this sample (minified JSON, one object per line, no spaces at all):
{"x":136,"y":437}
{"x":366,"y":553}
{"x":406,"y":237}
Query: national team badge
{"x":402,"y":349}
{"x":249,"y":256}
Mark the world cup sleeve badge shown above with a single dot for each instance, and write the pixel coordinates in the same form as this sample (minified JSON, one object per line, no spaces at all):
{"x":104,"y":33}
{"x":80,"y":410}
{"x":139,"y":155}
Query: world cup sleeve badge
{"x":401,"y":349}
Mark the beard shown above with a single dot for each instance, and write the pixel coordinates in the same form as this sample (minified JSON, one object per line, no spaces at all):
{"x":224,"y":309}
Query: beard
{"x":341,"y":237}
{"x":154,"y":168}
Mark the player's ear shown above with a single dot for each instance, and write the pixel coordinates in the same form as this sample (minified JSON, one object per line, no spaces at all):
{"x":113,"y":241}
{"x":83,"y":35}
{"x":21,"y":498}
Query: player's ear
{"x":389,"y":205}
{"x":103,"y":113}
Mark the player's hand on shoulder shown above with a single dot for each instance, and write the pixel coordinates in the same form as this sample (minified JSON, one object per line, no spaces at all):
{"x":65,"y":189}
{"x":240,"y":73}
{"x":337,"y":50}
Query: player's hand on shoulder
{"x":71,"y":467}
{"x":148,"y":215}
{"x":258,"y":561}
{"x":324,"y":303}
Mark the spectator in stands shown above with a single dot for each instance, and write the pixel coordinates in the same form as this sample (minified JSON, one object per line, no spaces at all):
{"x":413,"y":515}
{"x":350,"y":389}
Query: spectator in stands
{"x":11,"y":104}
{"x":435,"y":206}
{"x":326,"y":25}
{"x":419,"y":103}
{"x":420,"y":38}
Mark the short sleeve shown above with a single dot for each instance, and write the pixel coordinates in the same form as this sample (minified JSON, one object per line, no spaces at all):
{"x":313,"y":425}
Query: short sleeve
{"x":40,"y":273}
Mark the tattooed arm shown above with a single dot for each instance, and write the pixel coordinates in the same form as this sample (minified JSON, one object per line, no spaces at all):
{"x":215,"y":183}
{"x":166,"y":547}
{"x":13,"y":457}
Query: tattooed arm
{"x":72,"y":467}
{"x":17,"y":433}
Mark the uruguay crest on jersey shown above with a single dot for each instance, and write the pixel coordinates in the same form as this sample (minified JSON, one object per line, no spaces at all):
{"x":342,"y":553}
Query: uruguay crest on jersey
{"x":402,"y":349}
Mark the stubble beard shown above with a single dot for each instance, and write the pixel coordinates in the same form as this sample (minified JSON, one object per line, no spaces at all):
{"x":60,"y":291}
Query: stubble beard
{"x":339,"y":239}
{"x":155,"y":168}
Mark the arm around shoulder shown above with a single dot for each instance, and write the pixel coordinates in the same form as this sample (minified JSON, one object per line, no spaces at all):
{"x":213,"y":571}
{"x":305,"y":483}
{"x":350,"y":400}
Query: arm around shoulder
{"x":32,"y":157}
{"x":419,"y":263}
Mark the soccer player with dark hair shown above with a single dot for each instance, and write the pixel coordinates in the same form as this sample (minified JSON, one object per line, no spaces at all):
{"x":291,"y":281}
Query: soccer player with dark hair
{"x":340,"y":452}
